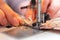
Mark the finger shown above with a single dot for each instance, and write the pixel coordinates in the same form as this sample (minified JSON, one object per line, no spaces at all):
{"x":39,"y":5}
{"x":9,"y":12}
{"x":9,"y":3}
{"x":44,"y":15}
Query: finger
{"x":3,"y":20}
{"x":54,"y":8}
{"x":30,"y":14}
{"x":44,"y":5}
{"x":9,"y":14}
{"x":57,"y":28}
{"x":48,"y":25}
{"x":28,"y":22}
{"x":44,"y":26}
{"x":57,"y":15}
{"x":20,"y":19}
{"x":51,"y":24}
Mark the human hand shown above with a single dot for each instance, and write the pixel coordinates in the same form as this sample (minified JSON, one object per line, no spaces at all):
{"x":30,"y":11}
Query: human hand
{"x":52,"y":7}
{"x":8,"y":16}
{"x":51,"y":24}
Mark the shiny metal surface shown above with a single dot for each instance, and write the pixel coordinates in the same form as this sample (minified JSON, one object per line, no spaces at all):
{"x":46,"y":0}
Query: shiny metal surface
{"x":22,"y":32}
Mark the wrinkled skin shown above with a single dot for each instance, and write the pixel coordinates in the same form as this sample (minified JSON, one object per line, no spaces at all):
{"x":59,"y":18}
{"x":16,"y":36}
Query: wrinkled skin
{"x":52,"y":7}
{"x":10,"y":17}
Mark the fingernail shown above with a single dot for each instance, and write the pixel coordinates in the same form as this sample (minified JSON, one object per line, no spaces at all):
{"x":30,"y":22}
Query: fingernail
{"x":56,"y":28}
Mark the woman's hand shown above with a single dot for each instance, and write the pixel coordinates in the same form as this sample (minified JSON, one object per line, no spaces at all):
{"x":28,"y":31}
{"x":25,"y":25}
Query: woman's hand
{"x":8,"y":16}
{"x":52,"y":7}
{"x":51,"y":24}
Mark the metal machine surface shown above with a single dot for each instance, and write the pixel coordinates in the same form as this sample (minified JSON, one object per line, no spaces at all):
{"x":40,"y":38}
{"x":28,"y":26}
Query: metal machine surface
{"x":24,"y":31}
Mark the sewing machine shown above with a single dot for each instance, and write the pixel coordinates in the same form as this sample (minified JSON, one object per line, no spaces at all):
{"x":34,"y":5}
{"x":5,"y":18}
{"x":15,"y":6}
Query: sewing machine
{"x":23,"y":31}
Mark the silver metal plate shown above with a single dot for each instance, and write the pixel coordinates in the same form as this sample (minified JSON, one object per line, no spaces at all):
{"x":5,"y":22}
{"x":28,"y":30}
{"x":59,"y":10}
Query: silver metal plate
{"x":22,"y":32}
